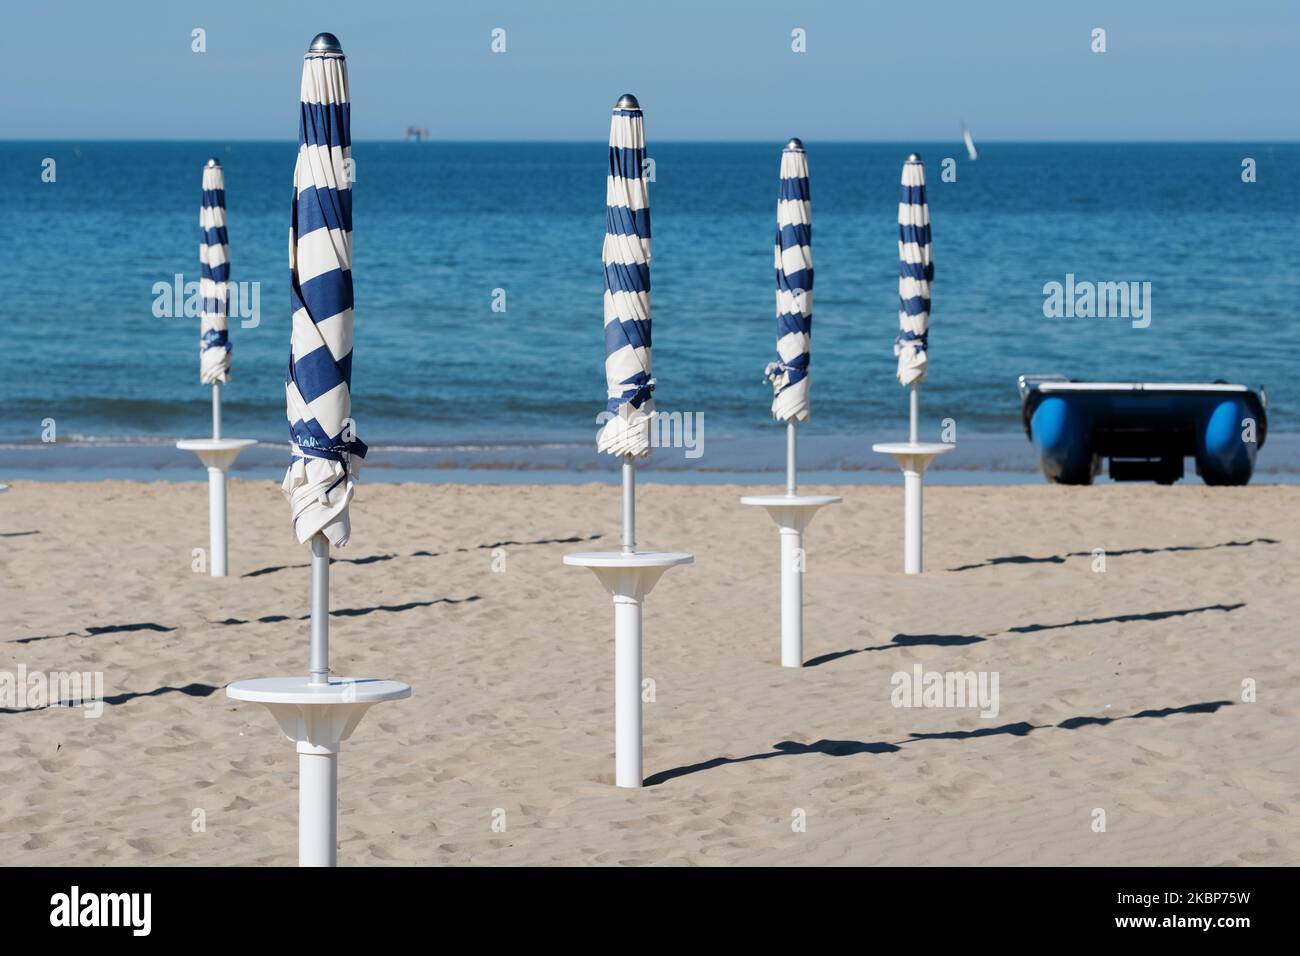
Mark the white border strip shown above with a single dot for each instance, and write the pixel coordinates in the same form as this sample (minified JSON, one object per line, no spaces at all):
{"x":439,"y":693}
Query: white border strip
{"x":1135,"y":387}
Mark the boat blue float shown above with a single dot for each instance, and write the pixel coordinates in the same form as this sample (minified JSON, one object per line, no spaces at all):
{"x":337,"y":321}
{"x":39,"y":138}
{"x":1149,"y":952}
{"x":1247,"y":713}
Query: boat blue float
{"x":1145,"y":429}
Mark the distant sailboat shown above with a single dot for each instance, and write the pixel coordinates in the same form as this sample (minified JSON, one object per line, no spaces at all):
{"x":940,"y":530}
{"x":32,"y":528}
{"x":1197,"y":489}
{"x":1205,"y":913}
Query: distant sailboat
{"x":970,"y":142}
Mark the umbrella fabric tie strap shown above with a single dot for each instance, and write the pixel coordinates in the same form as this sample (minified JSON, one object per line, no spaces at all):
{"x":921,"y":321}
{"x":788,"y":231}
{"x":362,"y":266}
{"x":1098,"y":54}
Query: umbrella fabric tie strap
{"x":775,"y":370}
{"x":319,"y":487}
{"x":910,"y":340}
{"x":636,"y":396}
{"x":319,"y":491}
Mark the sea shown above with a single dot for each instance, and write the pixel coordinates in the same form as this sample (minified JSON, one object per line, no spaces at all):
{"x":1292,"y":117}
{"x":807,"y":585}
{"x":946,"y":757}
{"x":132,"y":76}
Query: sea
{"x":477,"y":271}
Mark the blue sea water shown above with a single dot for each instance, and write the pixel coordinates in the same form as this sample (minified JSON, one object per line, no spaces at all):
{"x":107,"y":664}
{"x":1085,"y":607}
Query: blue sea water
{"x":440,"y":226}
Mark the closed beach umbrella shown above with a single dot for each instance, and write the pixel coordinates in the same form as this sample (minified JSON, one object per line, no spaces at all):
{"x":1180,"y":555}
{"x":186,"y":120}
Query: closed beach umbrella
{"x":792,"y":512}
{"x":326,"y":453}
{"x":626,"y":257}
{"x":214,"y":278}
{"x":217,"y":453}
{"x":319,"y":712}
{"x":915,"y":275}
{"x":794,"y":284}
{"x":629,"y":575}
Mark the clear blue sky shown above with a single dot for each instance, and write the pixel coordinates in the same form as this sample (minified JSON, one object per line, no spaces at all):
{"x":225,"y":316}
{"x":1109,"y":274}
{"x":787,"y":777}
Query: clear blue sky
{"x":708,"y":69}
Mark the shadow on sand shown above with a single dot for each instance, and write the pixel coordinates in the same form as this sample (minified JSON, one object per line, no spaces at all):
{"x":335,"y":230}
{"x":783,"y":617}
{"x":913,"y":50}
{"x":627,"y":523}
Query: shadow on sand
{"x":267,"y":619}
{"x":902,"y":640}
{"x":97,"y":631}
{"x":189,"y":690}
{"x":351,"y":611}
{"x":852,"y":748}
{"x":958,"y":640}
{"x":376,"y":558}
{"x":1127,"y":618}
{"x":1061,"y":558}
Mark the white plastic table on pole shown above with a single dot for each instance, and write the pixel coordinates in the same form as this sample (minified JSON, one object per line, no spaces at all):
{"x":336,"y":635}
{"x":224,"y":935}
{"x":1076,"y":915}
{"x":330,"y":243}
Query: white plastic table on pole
{"x":218,"y":454}
{"x":628,"y":578}
{"x":792,"y":514}
{"x":913,"y":458}
{"x":318,"y":718}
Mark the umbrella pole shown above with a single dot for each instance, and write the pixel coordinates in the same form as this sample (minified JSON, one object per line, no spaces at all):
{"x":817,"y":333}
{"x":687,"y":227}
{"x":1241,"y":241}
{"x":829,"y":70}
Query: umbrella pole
{"x":216,"y":409}
{"x":217,"y":496}
{"x":912,"y":519}
{"x":217,"y":520}
{"x":320,"y":609}
{"x":912,"y":497}
{"x":915,"y":412}
{"x":629,"y":504}
{"x":791,"y":456}
{"x":318,"y":767}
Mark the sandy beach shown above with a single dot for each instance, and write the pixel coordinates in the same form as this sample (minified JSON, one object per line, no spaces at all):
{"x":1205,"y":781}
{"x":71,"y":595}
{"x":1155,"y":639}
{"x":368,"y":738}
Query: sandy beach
{"x":1120,"y":690}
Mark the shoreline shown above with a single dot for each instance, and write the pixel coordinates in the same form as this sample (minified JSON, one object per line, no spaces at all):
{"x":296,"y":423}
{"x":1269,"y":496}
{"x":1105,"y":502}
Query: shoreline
{"x":980,"y":459}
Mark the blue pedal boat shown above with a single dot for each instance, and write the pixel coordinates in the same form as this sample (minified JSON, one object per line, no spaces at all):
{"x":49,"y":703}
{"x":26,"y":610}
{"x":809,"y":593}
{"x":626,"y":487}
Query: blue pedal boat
{"x":1144,"y":429}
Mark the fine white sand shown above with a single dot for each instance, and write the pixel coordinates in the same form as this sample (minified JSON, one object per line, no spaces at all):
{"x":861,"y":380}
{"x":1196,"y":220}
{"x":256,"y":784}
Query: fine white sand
{"x":1120,"y":691}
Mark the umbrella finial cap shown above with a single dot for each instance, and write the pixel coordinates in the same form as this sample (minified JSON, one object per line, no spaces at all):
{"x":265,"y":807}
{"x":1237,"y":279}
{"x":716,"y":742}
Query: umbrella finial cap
{"x":795,"y":143}
{"x":627,"y":102}
{"x":213,"y":163}
{"x":914,"y":157}
{"x":325,"y":43}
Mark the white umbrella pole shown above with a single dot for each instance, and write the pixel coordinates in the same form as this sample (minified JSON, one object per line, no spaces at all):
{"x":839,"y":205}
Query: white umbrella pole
{"x":318,"y":794}
{"x":318,"y":766}
{"x":791,"y":576}
{"x":915,"y":400}
{"x":217,"y":497}
{"x":792,"y":514}
{"x":911,"y":521}
{"x":217,"y":455}
{"x":320,"y":609}
{"x":791,"y":455}
{"x":912,"y":495}
{"x":629,"y":504}
{"x":791,"y":561}
{"x":792,"y":594}
{"x":627,"y":654}
{"x":217,"y":520}
{"x":627,"y":690}
{"x":216,"y":409}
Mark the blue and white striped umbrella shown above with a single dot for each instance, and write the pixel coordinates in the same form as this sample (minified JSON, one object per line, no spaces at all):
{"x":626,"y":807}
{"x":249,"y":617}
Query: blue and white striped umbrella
{"x":915,"y":274}
{"x":214,"y":278}
{"x":794,"y":285}
{"x":326,"y":453}
{"x":626,"y":257}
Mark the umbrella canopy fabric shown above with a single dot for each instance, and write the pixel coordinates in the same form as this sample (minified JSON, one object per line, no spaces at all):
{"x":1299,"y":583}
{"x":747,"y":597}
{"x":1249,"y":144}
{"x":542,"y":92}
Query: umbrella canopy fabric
{"x":626,"y":256}
{"x":915,"y":275}
{"x":794,"y":286}
{"x":326,"y":453}
{"x":214,"y":278}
